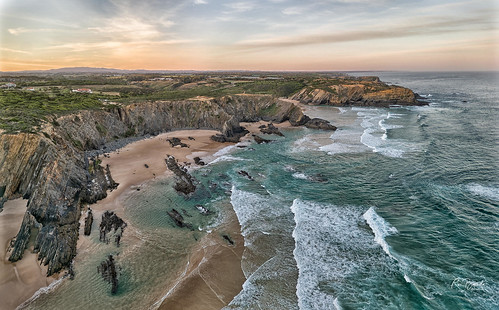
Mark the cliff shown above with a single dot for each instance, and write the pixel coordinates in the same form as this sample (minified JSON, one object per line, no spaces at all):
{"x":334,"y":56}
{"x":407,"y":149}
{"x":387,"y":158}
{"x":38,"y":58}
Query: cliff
{"x":364,"y":91}
{"x":53,"y":173}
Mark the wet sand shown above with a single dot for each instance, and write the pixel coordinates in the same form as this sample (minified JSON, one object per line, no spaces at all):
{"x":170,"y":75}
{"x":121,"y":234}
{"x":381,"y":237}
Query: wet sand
{"x":213,"y":276}
{"x":20,"y":280}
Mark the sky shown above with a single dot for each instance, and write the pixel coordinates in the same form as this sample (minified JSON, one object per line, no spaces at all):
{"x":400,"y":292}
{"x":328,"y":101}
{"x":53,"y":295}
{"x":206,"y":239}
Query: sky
{"x":316,"y":35}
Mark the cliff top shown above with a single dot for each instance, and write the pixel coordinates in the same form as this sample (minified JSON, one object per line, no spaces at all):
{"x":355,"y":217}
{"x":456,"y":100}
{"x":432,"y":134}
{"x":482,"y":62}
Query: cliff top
{"x":36,"y":99}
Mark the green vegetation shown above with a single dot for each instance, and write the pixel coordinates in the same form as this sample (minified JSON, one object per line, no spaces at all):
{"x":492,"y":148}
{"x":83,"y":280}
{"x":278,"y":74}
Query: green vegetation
{"x":24,"y":111}
{"x":50,"y":95}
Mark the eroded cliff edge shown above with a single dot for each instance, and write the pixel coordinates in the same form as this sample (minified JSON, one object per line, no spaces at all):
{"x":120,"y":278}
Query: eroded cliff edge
{"x":51,"y":169}
{"x":358,"y":91}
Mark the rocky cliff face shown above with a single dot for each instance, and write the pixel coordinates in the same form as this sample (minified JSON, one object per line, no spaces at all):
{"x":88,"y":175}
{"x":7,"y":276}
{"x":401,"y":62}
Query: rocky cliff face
{"x":362,"y":92}
{"x":51,"y":169}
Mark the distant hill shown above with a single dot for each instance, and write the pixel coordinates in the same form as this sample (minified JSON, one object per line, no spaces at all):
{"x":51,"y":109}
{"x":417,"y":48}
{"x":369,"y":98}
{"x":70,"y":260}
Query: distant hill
{"x":91,"y":70}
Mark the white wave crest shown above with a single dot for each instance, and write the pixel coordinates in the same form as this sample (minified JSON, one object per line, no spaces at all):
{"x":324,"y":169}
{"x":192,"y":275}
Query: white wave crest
{"x":44,"y":290}
{"x":380,"y":228}
{"x":484,"y":191}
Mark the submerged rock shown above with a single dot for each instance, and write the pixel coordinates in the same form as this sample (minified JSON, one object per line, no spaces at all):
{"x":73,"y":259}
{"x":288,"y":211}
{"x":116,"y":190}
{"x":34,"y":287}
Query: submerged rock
{"x":203,"y":210}
{"x":178,"y":219}
{"x":109,"y":273}
{"x":184,"y":181}
{"x":245,"y":174}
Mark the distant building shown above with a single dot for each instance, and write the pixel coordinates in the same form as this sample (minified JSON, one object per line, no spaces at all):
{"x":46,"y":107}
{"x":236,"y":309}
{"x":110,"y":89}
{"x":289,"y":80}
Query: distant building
{"x":8,"y":85}
{"x":82,"y":90}
{"x":30,"y":89}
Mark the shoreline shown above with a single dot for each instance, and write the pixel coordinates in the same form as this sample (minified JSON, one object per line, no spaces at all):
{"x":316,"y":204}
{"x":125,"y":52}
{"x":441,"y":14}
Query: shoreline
{"x":21,"y":280}
{"x":211,"y":257}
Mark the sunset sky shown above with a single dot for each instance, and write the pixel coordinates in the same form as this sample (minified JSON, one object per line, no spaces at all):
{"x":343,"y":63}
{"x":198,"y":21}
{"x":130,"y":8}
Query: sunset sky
{"x":256,"y":35}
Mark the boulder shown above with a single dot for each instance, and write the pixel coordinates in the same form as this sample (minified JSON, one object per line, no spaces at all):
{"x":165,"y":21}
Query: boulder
{"x":317,"y":123}
{"x":270,"y":129}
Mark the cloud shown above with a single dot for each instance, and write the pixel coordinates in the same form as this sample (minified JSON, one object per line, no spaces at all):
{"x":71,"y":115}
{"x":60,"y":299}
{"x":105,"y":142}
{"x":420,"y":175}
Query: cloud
{"x":200,"y":2}
{"x":130,"y":28}
{"x":90,"y":46}
{"x":239,"y":7}
{"x":399,"y":31}
{"x":4,"y":49}
{"x":293,"y":11}
{"x":21,"y":30}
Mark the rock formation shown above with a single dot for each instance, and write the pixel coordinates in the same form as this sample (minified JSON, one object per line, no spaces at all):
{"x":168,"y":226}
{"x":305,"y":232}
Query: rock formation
{"x":245,"y":174}
{"x":203,"y":210}
{"x":178,"y":219}
{"x":363,"y":91}
{"x":260,"y":140}
{"x":270,"y":129}
{"x":52,"y":171}
{"x":88,"y":223}
{"x":109,"y":273}
{"x":198,"y":161}
{"x":176,"y":142}
{"x":184,"y":182}
{"x":110,"y":221}
{"x":317,"y":123}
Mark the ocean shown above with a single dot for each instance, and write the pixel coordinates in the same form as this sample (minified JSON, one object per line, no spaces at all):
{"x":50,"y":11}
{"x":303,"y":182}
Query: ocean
{"x":397,"y":209}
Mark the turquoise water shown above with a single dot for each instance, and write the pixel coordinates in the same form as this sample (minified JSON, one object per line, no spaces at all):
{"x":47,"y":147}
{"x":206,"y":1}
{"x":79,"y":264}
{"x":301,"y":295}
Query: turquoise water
{"x":397,"y":209}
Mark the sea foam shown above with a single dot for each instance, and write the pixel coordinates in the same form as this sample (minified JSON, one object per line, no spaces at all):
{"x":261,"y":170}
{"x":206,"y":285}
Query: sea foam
{"x":380,"y":228}
{"x":330,"y":247}
{"x":484,"y":191}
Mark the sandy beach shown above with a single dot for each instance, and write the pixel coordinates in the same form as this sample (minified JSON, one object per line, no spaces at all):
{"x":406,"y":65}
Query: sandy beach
{"x":20,"y":280}
{"x":214,"y":272}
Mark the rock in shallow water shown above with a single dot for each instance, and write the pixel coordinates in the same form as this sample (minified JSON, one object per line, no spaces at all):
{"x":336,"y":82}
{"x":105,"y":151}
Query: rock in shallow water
{"x":111,"y":221}
{"x":184,"y":181}
{"x":109,"y":273}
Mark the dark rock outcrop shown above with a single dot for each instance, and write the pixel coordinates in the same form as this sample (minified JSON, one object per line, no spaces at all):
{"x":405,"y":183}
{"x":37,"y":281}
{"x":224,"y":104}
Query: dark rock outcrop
{"x":245,"y":174}
{"x":261,"y":140}
{"x":198,"y":161}
{"x":109,"y":273}
{"x":110,"y":221}
{"x":178,"y":219}
{"x":270,"y":129}
{"x":88,"y":223}
{"x":184,"y":181}
{"x":176,"y":142}
{"x":99,"y":181}
{"x":203,"y":210}
{"x":318,"y":123}
{"x":228,"y":239}
{"x":231,"y":132}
